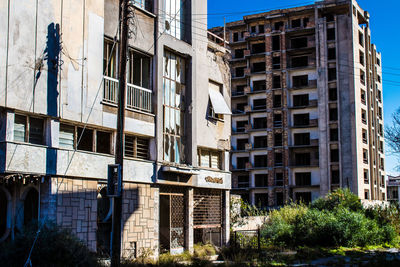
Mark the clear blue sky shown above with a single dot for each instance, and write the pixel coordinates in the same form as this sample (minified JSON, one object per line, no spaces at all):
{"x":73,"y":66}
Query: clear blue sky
{"x":385,"y":34}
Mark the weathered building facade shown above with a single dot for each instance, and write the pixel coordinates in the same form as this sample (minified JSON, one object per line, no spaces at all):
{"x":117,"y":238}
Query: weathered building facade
{"x":58,"y":117}
{"x":393,"y":186}
{"x":307,"y":104}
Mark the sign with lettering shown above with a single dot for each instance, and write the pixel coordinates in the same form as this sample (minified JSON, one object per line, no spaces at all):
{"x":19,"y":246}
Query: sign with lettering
{"x":214,"y":180}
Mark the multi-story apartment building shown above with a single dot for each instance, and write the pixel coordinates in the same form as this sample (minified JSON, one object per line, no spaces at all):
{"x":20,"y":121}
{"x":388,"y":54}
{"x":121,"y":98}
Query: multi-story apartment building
{"x":58,"y":110}
{"x":307,"y":104}
{"x":393,"y":186}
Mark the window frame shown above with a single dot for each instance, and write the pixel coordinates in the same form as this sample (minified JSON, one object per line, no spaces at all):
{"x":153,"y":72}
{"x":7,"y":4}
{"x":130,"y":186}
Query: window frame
{"x":27,"y":130}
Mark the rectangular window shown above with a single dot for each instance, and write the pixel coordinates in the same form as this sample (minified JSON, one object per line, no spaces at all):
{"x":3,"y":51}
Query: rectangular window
{"x":279,"y":179}
{"x":278,"y":26}
{"x":332,"y":94}
{"x":335,"y":176}
{"x":276,"y":82}
{"x":296,"y":23}
{"x":261,"y":200}
{"x":144,"y":4}
{"x":365,"y":136}
{"x":139,"y":69}
{"x":261,"y":180}
{"x":278,"y":159}
{"x":174,"y":107}
{"x":297,"y":43}
{"x":260,"y":141}
{"x":366,"y":176}
{"x":365,"y":156}
{"x":259,"y":104}
{"x":331,"y":34}
{"x":302,"y":139}
{"x":85,"y":136}
{"x":20,"y":128}
{"x":301,"y":119}
{"x":279,"y":199}
{"x":362,"y":58}
{"x":278,"y":140}
{"x":300,"y":81}
{"x":243,"y":181}
{"x":103,"y":142}
{"x":334,"y":134}
{"x":277,"y":103}
{"x":209,"y":158}
{"x":333,"y":114}
{"x":241,"y":126}
{"x":36,"y":131}
{"x":332,"y":53}
{"x":361,"y":38}
{"x":176,"y":17}
{"x":67,"y":136}
{"x":260,"y":161}
{"x":259,"y":67}
{"x":334,"y":155}
{"x":258,"y":48}
{"x":136,"y":147}
{"x":235,"y":36}
{"x":362,"y":77}
{"x":239,"y":71}
{"x":241,"y":143}
{"x":276,"y":63}
{"x":302,"y":159}
{"x":110,"y":67}
{"x":29,"y":129}
{"x":303,"y":179}
{"x":239,"y":53}
{"x":300,"y":100}
{"x":259,"y":86}
{"x":260,"y":123}
{"x":331,"y":74}
{"x":303,"y":197}
{"x":299,"y":62}
{"x":276,"y":43}
{"x":261,"y":29}
{"x":277,"y":120}
{"x":363,"y":116}
{"x":241,"y":162}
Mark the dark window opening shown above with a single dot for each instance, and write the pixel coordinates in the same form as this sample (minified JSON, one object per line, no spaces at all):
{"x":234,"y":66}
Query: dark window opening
{"x":300,"y":81}
{"x":361,"y":38}
{"x":259,"y":67}
{"x":362,"y":76}
{"x":332,"y":94}
{"x":258,"y":48}
{"x":261,"y":200}
{"x":86,"y":139}
{"x":303,"y":178}
{"x":241,"y":144}
{"x":240,"y":89}
{"x":260,"y":142}
{"x":303,"y":197}
{"x":261,"y":180}
{"x":302,"y":139}
{"x":279,"y":199}
{"x":259,"y":85}
{"x":36,"y":131}
{"x":276,"y":43}
{"x":278,"y":26}
{"x":260,"y":123}
{"x":296,"y":23}
{"x":235,"y":36}
{"x":261,"y":29}
{"x":333,"y":114}
{"x":277,"y":120}
{"x":243,"y":181}
{"x":279,"y":179}
{"x":298,"y":62}
{"x":302,"y":159}
{"x":366,"y":177}
{"x":241,"y":162}
{"x":259,"y":104}
{"x":31,"y":207}
{"x":332,"y":53}
{"x":241,"y":126}
{"x":301,"y":119}
{"x":139,"y":69}
{"x":3,"y":213}
{"x":331,"y":34}
{"x":306,"y":21}
{"x":240,"y":107}
{"x":239,"y":53}
{"x":239,"y":72}
{"x":335,"y":176}
{"x":299,"y":42}
{"x":300,"y":100}
{"x":278,"y":159}
{"x":260,"y":161}
{"x":278,"y":140}
{"x":253,"y":29}
{"x":276,"y":63}
{"x":277,"y":102}
{"x":276,"y":83}
{"x":334,"y":134}
{"x":334,"y":155}
{"x":330,"y":17}
{"x":362,"y":57}
{"x":331,"y":74}
{"x":103,"y":142}
{"x":365,"y":136}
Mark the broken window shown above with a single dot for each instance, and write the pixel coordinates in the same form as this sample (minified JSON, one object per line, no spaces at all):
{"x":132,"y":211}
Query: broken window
{"x":174,"y":107}
{"x":334,"y":134}
{"x":209,"y":158}
{"x":20,"y":128}
{"x":277,"y":120}
{"x":278,"y":159}
{"x":332,"y":94}
{"x":299,"y":62}
{"x":306,"y":21}
{"x":333,"y":114}
{"x":261,"y":200}
{"x":260,"y":142}
{"x":259,"y":67}
{"x":332,"y":53}
{"x":144,"y":4}
{"x":241,"y":143}
{"x":103,"y":142}
{"x":260,"y":123}
{"x":241,"y":126}
{"x":241,"y":162}
{"x":331,"y":74}
{"x":260,"y":161}
{"x":334,"y":155}
{"x":243,"y":181}
{"x":279,"y":179}
{"x":301,"y":119}
{"x":296,"y":23}
{"x":259,"y":104}
{"x":110,"y":59}
{"x":303,"y":178}
{"x":299,"y":42}
{"x":331,"y":34}
{"x":85,"y":136}
{"x":31,"y":207}
{"x":258,"y":48}
{"x":276,"y":43}
{"x":300,"y":100}
{"x":277,"y":102}
{"x":259,"y":85}
{"x":278,"y":140}
{"x":28,"y":129}
{"x":276,"y":63}
{"x":302,"y":159}
{"x":300,"y":81}
{"x":136,"y":147}
{"x":276,"y":82}
{"x":302,"y":139}
{"x":176,"y":9}
{"x":139,"y":69}
{"x":261,"y":180}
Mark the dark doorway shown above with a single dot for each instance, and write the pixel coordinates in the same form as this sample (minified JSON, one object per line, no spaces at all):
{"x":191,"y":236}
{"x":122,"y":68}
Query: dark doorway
{"x":3,"y":213}
{"x":31,"y":206}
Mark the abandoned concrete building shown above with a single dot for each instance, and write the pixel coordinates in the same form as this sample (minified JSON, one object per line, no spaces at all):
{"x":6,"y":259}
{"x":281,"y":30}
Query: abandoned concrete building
{"x":58,"y":117}
{"x":393,"y":186}
{"x":307,"y":104}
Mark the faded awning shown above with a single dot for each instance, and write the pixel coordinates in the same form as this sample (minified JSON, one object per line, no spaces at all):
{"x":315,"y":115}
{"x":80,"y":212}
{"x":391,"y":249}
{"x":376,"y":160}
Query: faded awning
{"x":218,"y":101}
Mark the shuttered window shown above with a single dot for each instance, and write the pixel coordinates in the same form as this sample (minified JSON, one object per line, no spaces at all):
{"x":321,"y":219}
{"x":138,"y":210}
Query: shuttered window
{"x":209,"y":158}
{"x":20,"y":128}
{"x":66,"y":139}
{"x":136,"y":147}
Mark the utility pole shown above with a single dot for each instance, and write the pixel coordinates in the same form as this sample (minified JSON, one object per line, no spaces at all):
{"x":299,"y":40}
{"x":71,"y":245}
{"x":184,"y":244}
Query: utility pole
{"x":119,"y":146}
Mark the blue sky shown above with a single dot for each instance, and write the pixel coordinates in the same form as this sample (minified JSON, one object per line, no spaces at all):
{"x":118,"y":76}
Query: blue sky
{"x":385,"y":34}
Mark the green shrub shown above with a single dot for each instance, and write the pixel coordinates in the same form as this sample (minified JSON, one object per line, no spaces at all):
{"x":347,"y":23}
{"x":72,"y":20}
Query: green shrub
{"x":385,"y":215}
{"x":341,"y":198}
{"x":54,"y":247}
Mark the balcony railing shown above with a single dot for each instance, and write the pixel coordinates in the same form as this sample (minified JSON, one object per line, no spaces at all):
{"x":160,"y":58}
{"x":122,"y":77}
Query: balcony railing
{"x":137,"y":98}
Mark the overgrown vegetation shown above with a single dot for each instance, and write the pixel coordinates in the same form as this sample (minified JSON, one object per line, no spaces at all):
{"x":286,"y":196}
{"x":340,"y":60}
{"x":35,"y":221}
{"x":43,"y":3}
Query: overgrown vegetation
{"x":54,"y":247}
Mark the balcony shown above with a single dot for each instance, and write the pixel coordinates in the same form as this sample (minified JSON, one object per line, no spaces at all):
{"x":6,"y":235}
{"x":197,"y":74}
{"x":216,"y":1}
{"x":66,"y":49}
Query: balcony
{"x":311,"y":104}
{"x":304,"y":124}
{"x":137,"y":98}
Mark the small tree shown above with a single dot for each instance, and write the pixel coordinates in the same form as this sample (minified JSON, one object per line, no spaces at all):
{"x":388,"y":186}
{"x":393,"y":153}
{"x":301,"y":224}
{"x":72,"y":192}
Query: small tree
{"x":392,"y":135}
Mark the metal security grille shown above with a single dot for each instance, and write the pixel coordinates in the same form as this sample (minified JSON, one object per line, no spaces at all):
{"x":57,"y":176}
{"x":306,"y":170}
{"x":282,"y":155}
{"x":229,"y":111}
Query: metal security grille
{"x":207,"y":210}
{"x":177,"y":221}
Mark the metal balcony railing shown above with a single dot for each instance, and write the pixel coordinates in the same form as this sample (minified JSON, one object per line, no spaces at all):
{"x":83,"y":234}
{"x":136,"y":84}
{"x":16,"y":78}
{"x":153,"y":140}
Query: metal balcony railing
{"x":137,"y":98}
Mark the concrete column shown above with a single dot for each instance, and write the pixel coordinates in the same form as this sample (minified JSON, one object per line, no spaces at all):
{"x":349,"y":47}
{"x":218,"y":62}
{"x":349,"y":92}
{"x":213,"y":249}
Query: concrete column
{"x":225,"y":218}
{"x":9,"y":134}
{"x":189,"y":221}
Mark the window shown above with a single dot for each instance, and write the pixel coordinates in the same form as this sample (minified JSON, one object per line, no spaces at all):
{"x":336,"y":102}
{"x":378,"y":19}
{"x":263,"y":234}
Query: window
{"x":278,"y":26}
{"x":361,"y":38}
{"x":260,"y":161}
{"x":144,"y":4}
{"x":335,"y":176}
{"x":174,"y":107}
{"x":260,"y":141}
{"x":260,"y":123}
{"x":303,"y":197}
{"x":278,"y":159}
{"x":365,"y":156}
{"x":217,"y":105}
{"x":362,"y":77}
{"x":276,"y":63}
{"x":300,"y":81}
{"x":306,"y":21}
{"x":243,"y":181}
{"x":365,"y":136}
{"x":241,"y":126}
{"x":261,"y":200}
{"x":276,"y":43}
{"x":276,"y":82}
{"x":331,"y":74}
{"x":235,"y":36}
{"x":261,"y":180}
{"x":103,"y":142}
{"x":176,"y":17}
{"x":334,"y":155}
{"x":259,"y":104}
{"x":209,"y":158}
{"x":362,"y":58}
{"x":303,"y":178}
{"x":334,"y":134}
{"x":363,"y":116}
{"x":259,"y":67}
{"x":29,"y":129}
{"x":302,"y":159}
{"x":363,"y":97}
{"x":302,"y":139}
{"x":67,"y":136}
{"x":296,"y":23}
{"x":297,"y":43}
{"x":331,"y":34}
{"x":300,"y":100}
{"x":253,"y":29}
{"x":139,"y":69}
{"x":241,"y":162}
{"x":366,"y":176}
{"x":277,"y":103}
{"x":240,"y":107}
{"x":366,"y":194}
{"x":301,"y":119}
{"x":261,"y":29}
{"x":85,"y":136}
{"x":378,"y":62}
{"x":31,"y":207}
{"x":332,"y":94}
{"x":259,"y":86}
{"x":239,"y":71}
{"x":333,"y":114}
{"x":258,"y":48}
{"x":279,"y":179}
{"x":299,"y":62}
{"x":110,"y":67}
{"x":277,"y":120}
{"x":239,"y":53}
{"x":278,"y":140}
{"x":332,"y":53}
{"x":136,"y":147}
{"x":241,"y":144}
{"x":279,"y":198}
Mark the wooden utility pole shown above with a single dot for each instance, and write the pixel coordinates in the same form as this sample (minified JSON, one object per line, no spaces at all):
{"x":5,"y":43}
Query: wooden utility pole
{"x":119,"y":145}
